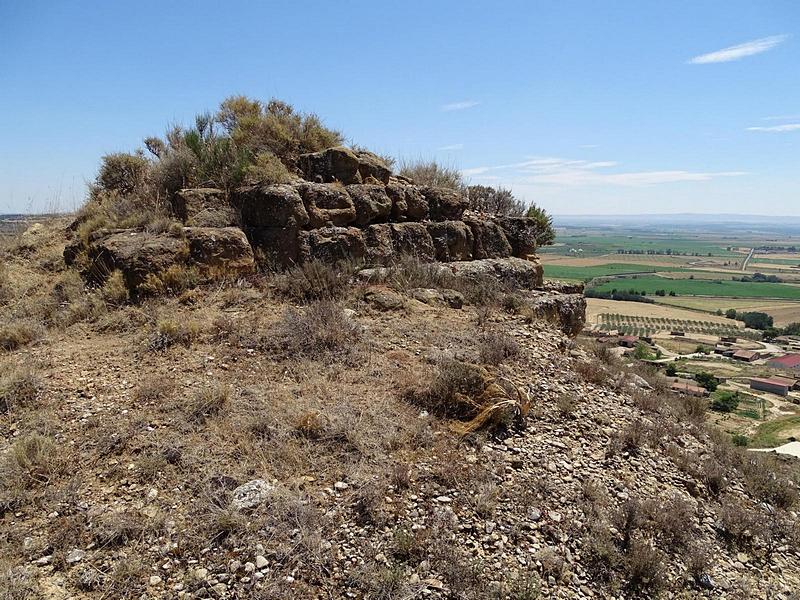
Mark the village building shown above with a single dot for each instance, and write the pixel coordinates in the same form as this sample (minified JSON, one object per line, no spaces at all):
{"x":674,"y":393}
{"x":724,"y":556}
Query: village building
{"x":746,"y":355}
{"x":787,"y":362}
{"x":773,"y":385}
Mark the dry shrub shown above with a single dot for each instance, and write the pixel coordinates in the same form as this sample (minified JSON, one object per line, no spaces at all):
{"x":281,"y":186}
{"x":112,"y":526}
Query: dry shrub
{"x":429,"y":172}
{"x":674,"y":521}
{"x":153,"y":388}
{"x":321,"y":330}
{"x":644,"y":567}
{"x":16,"y":334}
{"x":207,"y":403}
{"x":552,"y":563}
{"x":630,"y":438}
{"x":737,"y":524}
{"x":32,"y":460}
{"x":484,"y":499}
{"x":126,"y":579}
{"x":316,"y":280}
{"x":566,"y":405}
{"x":6,"y":291}
{"x":114,"y":290}
{"x":472,"y":395}
{"x":714,"y":476}
{"x":698,"y":560}
{"x":765,"y":478}
{"x":496,"y":347}
{"x":169,"y":332}
{"x":592,"y":371}
{"x":173,"y":281}
{"x":19,"y":388}
{"x":602,"y":557}
{"x":16,"y":583}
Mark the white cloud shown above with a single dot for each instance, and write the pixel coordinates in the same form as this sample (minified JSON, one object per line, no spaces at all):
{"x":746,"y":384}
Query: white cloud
{"x":570,"y":173}
{"x":777,"y":128}
{"x":782,"y":118}
{"x":459,"y":105}
{"x":740,"y":51}
{"x":452,"y":147}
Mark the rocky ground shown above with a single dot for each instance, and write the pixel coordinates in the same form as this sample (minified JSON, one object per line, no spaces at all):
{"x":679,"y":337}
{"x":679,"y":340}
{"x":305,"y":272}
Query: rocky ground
{"x":244,"y":439}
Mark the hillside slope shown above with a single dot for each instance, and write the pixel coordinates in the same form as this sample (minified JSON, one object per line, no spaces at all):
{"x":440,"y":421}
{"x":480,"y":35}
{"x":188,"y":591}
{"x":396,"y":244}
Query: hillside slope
{"x":247,"y":439}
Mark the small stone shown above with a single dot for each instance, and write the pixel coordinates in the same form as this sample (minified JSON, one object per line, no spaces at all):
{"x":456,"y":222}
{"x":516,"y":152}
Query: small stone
{"x":261,"y":562}
{"x":414,"y":579}
{"x":155,"y":580}
{"x":200,"y":574}
{"x":249,"y":567}
{"x":340,"y":485}
{"x":75,"y":556}
{"x":251,"y":494}
{"x":444,"y":499}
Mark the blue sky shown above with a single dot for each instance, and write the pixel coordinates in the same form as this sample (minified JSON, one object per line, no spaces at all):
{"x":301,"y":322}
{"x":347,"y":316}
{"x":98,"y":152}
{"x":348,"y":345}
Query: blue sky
{"x":595,"y":107}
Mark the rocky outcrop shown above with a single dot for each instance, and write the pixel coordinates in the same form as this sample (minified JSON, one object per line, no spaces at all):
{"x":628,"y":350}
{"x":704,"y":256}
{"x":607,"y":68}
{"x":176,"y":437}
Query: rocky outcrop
{"x":371,"y":203}
{"x":332,"y":245}
{"x":452,"y":240}
{"x":205,"y":207}
{"x":327,"y":205}
{"x":331,"y":165}
{"x":568,"y":311}
{"x":225,"y":249}
{"x":514,"y":272}
{"x":272,"y":206}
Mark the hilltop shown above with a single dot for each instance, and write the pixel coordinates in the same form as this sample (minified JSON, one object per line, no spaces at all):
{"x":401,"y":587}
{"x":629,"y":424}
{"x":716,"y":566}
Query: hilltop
{"x":346,"y":382}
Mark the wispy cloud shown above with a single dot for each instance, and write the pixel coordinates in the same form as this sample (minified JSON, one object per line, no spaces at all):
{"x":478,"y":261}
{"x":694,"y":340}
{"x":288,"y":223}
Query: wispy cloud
{"x":452,"y":147}
{"x":739,"y":51}
{"x":568,"y":172}
{"x":777,"y":128}
{"x":782,"y":118}
{"x":463,"y":104}
{"x":588,"y":146}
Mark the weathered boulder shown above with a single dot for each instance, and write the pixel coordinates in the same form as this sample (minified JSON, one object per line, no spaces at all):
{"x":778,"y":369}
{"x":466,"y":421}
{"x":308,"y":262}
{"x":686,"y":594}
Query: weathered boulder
{"x":426,"y":295}
{"x":372,"y":165}
{"x":378,"y":240}
{"x":277,"y":205}
{"x":334,"y":164}
{"x":222,"y":248}
{"x":408,"y":203}
{"x":327,"y":204}
{"x":452,"y":240}
{"x":251,"y":494}
{"x":562,"y":287}
{"x":371,"y":203}
{"x":568,"y":311}
{"x":490,"y":241}
{"x":136,"y":254}
{"x":413,"y":239}
{"x":521,"y":233}
{"x":384,"y":300}
{"x":332,"y":244}
{"x":277,"y":246}
{"x":205,"y":207}
{"x":514,"y":272}
{"x":445,"y":204}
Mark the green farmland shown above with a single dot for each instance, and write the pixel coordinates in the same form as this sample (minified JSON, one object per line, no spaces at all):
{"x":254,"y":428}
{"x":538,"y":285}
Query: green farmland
{"x":555,"y":271}
{"x":700,"y":287}
{"x":594,"y":245}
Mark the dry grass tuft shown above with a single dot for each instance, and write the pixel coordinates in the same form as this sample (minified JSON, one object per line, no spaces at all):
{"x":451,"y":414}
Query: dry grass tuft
{"x":153,"y":388}
{"x":16,"y":583}
{"x":496,"y":347}
{"x":321,"y":330}
{"x":169,"y":332}
{"x":19,"y":388}
{"x":14,"y":335}
{"x":316,"y":280}
{"x":208,"y":403}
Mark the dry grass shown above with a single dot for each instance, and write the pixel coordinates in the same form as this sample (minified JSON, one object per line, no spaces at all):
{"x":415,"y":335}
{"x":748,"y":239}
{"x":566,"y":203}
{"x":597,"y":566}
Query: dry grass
{"x":17,"y":583}
{"x":495,"y":348}
{"x":207,"y":403}
{"x":169,"y":332}
{"x":316,"y":280}
{"x":19,"y":388}
{"x":32,"y":461}
{"x":14,"y":335}
{"x":153,"y":388}
{"x":321,"y":330}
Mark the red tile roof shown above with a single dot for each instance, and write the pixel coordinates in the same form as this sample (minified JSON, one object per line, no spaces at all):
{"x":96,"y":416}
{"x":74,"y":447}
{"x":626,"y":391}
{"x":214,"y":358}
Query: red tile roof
{"x":780,"y":381}
{"x":789,"y":361}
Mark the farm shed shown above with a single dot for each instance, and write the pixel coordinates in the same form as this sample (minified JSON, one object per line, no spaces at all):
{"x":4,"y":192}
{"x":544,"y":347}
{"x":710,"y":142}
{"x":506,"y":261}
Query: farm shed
{"x":777,"y":386}
{"x":731,"y":339}
{"x":687,"y":388}
{"x":746,"y":355}
{"x":788,"y":362}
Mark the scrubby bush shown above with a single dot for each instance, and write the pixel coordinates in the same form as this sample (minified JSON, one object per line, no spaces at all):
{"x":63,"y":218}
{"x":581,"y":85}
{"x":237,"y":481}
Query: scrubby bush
{"x":544,"y":221}
{"x":321,"y":330}
{"x":169,"y":332}
{"x":429,"y":172}
{"x":20,"y":387}
{"x":494,"y":201}
{"x":496,"y":347}
{"x":16,"y":334}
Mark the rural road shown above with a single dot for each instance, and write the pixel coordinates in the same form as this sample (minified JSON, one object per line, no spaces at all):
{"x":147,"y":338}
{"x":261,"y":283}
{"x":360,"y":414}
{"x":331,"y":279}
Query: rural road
{"x":747,"y":260}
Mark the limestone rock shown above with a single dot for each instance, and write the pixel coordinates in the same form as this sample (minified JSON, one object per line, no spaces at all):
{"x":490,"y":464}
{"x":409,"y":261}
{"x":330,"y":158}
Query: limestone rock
{"x":205,"y":207}
{"x":280,"y":246}
{"x":378,"y":240}
{"x":327,"y":204}
{"x":136,"y":254}
{"x":490,"y":241}
{"x":371,"y":165}
{"x":568,"y":311}
{"x":271,"y":206}
{"x":251,"y":494}
{"x":413,"y":239}
{"x":332,"y":244}
{"x":521,"y":233}
{"x":372,"y":205}
{"x":224,"y":248}
{"x":445,"y":204}
{"x":514,"y":272}
{"x":334,"y":164}
{"x":452,"y":240}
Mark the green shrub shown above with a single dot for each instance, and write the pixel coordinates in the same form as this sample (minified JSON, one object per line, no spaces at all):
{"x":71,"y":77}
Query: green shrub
{"x":122,"y":172}
{"x":544,"y":222}
{"x":267,"y":168}
{"x":725,"y":401}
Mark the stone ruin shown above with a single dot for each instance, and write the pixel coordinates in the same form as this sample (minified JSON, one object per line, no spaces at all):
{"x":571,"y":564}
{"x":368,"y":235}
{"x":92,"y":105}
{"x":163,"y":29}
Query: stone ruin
{"x":347,"y":207}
